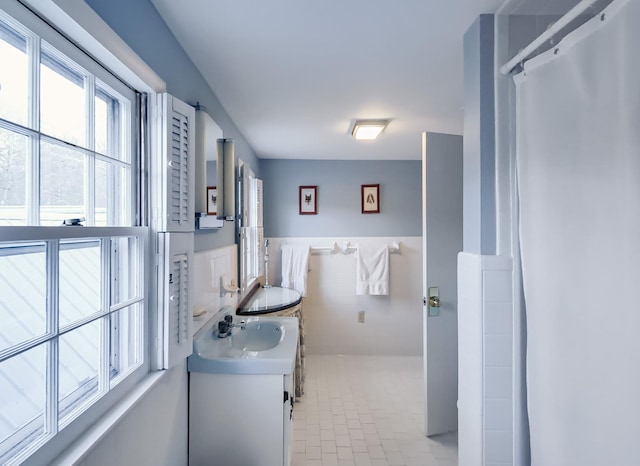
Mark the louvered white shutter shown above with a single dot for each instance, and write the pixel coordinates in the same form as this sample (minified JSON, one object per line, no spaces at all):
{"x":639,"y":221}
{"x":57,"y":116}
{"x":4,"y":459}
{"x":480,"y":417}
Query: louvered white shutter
{"x":176,"y":282}
{"x":178,"y":152}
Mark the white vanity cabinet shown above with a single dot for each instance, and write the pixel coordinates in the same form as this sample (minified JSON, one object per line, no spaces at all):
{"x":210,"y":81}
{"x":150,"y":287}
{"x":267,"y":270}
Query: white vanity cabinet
{"x":240,"y":419}
{"x":240,"y":390}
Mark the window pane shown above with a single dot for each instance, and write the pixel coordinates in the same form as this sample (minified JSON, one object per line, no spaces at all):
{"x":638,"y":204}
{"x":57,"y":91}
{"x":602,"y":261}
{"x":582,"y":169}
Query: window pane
{"x":126,"y":341}
{"x":110,"y":133}
{"x":103,"y":215}
{"x":62,"y":101}
{"x":14,"y":76}
{"x":62,"y":183}
{"x":79,"y":365}
{"x":102,"y":123}
{"x":112,"y":195}
{"x":80,"y":280}
{"x":23,"y":288}
{"x":122,"y":185}
{"x":13,"y":177}
{"x":125,"y":269}
{"x":22,"y":400}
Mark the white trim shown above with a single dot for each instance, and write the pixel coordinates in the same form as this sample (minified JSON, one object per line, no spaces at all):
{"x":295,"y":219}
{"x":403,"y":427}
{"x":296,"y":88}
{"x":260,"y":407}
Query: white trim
{"x":79,"y":450}
{"x":89,"y":31}
{"x":40,"y":233}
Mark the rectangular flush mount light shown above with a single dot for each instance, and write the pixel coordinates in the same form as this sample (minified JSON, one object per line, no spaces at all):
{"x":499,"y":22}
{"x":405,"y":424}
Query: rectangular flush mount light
{"x":368,"y":129}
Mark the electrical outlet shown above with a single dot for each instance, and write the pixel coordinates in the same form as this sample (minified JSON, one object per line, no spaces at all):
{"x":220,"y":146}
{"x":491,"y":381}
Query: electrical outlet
{"x":361,"y":317}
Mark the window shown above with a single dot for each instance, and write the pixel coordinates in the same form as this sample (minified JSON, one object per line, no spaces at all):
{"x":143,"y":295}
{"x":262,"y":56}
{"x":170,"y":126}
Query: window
{"x":72,"y":300}
{"x":251,"y":231}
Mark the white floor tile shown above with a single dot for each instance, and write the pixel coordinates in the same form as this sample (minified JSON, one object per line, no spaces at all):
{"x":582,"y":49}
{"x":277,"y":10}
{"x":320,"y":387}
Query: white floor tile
{"x":376,"y":452}
{"x":365,"y":411}
{"x":345,"y":453}
{"x":329,"y":459}
{"x":346,"y":462}
{"x":359,"y":446}
{"x":314,"y":453}
{"x":362,"y":459}
{"x":328,"y":446}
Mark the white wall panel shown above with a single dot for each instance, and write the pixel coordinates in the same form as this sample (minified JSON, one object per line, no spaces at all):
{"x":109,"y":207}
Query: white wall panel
{"x":393,"y":323}
{"x":485,"y":336}
{"x":209,"y":267}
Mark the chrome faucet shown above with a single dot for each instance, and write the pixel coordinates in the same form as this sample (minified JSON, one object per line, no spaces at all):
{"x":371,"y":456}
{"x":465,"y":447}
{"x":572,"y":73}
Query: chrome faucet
{"x":266,"y":264}
{"x":226,"y":326}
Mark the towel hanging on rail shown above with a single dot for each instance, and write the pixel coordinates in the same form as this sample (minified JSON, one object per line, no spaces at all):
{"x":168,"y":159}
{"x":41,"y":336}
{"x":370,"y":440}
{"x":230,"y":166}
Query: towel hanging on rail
{"x":295,"y":263}
{"x":372,"y":270}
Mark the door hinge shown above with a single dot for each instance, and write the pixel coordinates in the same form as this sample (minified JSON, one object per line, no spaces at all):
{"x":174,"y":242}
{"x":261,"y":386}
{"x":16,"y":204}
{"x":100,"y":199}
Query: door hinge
{"x":286,"y":396}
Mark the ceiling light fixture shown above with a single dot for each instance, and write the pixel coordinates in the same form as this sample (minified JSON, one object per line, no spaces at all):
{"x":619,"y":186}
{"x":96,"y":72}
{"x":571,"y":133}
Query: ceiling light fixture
{"x":368,"y":129}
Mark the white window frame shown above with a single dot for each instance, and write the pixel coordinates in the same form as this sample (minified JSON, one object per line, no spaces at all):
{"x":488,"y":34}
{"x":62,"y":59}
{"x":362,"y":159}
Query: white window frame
{"x":73,"y":430}
{"x":251,"y":250}
{"x":53,"y":236}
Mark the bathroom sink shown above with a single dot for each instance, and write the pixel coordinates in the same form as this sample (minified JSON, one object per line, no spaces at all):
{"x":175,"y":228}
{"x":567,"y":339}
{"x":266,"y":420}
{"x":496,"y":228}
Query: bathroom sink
{"x":257,"y":335}
{"x":266,"y":345}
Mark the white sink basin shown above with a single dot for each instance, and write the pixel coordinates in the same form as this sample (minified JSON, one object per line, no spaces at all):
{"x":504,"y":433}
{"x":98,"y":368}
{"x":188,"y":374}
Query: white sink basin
{"x":266,"y":345}
{"x":258,"y":335}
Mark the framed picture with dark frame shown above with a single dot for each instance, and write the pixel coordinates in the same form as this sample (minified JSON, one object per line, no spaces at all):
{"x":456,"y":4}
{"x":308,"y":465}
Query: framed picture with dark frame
{"x":212,"y":200}
{"x":370,"y":198}
{"x":308,"y":200}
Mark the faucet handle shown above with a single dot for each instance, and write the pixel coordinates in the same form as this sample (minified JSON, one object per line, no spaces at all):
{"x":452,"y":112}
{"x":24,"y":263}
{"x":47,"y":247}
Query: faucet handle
{"x":223,"y":328}
{"x":228,"y":318}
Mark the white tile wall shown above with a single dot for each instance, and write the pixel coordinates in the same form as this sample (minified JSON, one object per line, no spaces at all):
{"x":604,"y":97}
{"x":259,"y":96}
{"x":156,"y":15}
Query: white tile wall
{"x":393,"y":323}
{"x":497,"y":382}
{"x":498,"y":344}
{"x":497,"y":349}
{"x":498,"y":318}
{"x":209,"y":267}
{"x":486,"y":379}
{"x":498,"y":446}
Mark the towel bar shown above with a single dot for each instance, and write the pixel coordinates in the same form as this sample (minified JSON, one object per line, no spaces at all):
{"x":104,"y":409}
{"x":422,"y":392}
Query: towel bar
{"x":347,"y":247}
{"x":331,"y":248}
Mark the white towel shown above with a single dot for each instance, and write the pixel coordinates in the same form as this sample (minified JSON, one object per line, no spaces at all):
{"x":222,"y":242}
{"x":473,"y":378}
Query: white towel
{"x":295,"y":263}
{"x":372,"y":270}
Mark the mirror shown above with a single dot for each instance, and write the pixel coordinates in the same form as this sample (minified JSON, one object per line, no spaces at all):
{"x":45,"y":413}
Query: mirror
{"x":206,"y":198}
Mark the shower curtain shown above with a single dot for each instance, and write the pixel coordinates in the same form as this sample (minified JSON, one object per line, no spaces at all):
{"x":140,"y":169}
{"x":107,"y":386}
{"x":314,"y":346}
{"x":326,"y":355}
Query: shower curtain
{"x":578,"y":164}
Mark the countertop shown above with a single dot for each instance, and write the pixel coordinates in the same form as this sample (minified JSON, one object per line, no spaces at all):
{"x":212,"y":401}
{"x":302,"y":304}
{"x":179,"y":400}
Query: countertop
{"x":215,"y":355}
{"x":267,"y":300}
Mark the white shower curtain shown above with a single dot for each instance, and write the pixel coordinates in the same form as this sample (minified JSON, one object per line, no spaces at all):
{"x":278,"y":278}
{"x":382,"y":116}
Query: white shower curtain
{"x":578,"y":163}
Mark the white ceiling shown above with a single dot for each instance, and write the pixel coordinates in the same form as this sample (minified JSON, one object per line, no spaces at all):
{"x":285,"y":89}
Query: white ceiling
{"x":294,"y":74}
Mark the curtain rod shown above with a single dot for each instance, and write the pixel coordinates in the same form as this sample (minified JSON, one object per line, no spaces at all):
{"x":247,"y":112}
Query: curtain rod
{"x":556,"y":27}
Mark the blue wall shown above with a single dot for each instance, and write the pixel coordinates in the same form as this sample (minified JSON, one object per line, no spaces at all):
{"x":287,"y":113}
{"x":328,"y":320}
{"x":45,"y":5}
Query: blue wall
{"x":339,"y":210}
{"x":139,"y":24}
{"x":479,"y":199}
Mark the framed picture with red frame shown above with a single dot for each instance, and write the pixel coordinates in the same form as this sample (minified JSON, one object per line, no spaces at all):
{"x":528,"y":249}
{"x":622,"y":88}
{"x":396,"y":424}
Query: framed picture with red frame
{"x":308,"y":200}
{"x":370,"y":198}
{"x":212,"y":200}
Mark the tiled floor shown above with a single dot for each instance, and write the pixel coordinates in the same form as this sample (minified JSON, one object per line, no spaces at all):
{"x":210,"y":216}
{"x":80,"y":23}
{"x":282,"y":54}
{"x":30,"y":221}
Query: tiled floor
{"x":366,"y":410}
